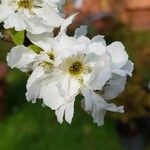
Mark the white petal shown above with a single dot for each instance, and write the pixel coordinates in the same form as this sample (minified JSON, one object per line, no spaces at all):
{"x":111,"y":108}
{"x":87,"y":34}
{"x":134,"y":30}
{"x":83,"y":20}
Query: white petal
{"x":99,"y":38}
{"x":5,"y":12}
{"x":88,"y":100}
{"x":36,"y":74}
{"x":93,"y":100}
{"x":36,"y":87}
{"x":68,"y":87}
{"x":96,"y":48}
{"x":49,"y":15}
{"x":43,"y":40}
{"x":43,"y":57}
{"x":127,"y":69}
{"x":81,"y":31}
{"x":83,"y":40}
{"x":118,"y":54}
{"x":51,"y":96}
{"x":34,"y":91}
{"x":101,"y":74}
{"x":66,"y":23}
{"x":5,"y":2}
{"x":98,"y":117}
{"x":36,"y":25}
{"x":114,"y":108}
{"x":99,"y":106}
{"x":129,"y":66}
{"x":60,"y":113}
{"x":99,"y":79}
{"x":115,"y":86}
{"x":21,"y":58}
{"x":50,"y":5}
{"x":57,"y":1}
{"x":69,"y":111}
{"x":92,"y":58}
{"x":15,"y":20}
{"x":66,"y":110}
{"x":97,"y":101}
{"x":35,"y":84}
{"x":63,"y":45}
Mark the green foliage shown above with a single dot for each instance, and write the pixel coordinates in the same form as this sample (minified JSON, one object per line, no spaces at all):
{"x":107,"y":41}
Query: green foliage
{"x":18,"y":37}
{"x":35,"y":128}
{"x":142,"y":37}
{"x":16,"y":88}
{"x":35,"y":48}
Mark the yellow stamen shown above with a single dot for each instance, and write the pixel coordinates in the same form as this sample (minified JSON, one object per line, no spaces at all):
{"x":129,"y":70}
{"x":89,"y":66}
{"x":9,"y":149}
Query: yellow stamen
{"x":51,"y":55}
{"x":26,"y":4}
{"x":76,"y":68}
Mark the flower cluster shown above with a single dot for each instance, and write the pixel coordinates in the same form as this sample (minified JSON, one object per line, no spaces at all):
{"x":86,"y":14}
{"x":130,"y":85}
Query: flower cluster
{"x":35,"y":16}
{"x":65,"y":66}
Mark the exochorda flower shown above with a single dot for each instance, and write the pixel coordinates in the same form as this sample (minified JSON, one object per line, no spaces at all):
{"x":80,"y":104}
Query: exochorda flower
{"x":35,"y":16}
{"x":68,"y":66}
{"x":75,"y":66}
{"x":25,"y":59}
{"x":116,"y":59}
{"x":101,"y":79}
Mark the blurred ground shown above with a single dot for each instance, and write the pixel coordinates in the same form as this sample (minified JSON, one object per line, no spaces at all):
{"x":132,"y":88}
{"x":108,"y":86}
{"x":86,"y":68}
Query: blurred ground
{"x":35,"y":128}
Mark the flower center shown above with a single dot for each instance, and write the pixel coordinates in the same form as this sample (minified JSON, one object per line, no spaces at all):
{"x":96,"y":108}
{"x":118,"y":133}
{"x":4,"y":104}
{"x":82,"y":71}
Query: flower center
{"x":46,"y":65}
{"x":51,"y":56}
{"x":76,"y":68}
{"x":26,"y":4}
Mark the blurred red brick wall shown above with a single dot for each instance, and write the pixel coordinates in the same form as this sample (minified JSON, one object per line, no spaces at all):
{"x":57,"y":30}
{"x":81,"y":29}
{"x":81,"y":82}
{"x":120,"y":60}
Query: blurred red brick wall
{"x":138,"y":14}
{"x":135,"y":13}
{"x":137,"y":4}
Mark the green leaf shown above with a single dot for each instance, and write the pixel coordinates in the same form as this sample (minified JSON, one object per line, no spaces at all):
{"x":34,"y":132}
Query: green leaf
{"x":18,"y":36}
{"x":35,"y":48}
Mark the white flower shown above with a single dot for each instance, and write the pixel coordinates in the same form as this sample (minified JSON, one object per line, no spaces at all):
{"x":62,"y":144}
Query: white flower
{"x":78,"y":57}
{"x":48,"y":42}
{"x":59,"y":91}
{"x":84,"y":64}
{"x":113,"y":87}
{"x":120,"y":63}
{"x":27,"y":60}
{"x":44,"y":85}
{"x":35,"y":16}
{"x":42,"y":66}
{"x":97,"y":106}
{"x":116,"y":68}
{"x":79,"y":71}
{"x":22,"y":58}
{"x":100,"y":88}
{"x":67,"y":66}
